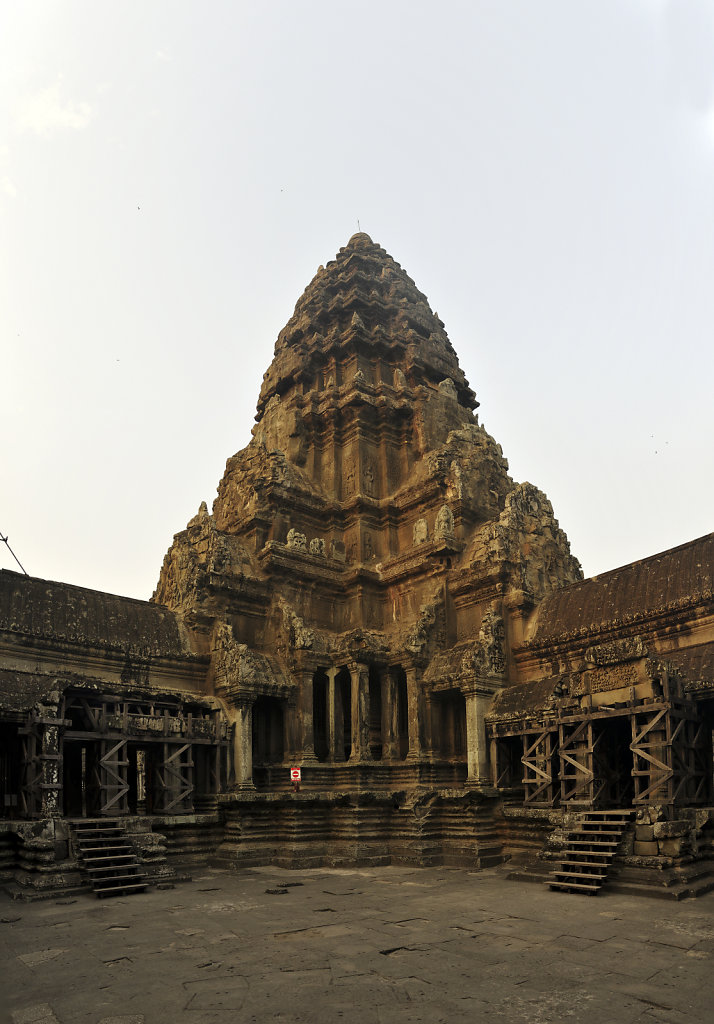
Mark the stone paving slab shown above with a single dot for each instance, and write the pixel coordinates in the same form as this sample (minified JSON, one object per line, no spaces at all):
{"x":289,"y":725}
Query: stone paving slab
{"x":370,"y":946}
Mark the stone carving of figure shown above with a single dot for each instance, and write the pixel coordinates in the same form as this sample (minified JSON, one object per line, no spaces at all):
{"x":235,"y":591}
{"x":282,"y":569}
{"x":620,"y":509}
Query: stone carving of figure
{"x":491,"y":655}
{"x":444,"y":526}
{"x":297,"y":540}
{"x":369,"y":479}
{"x":317,"y":547}
{"x":368,"y":549}
{"x":421,"y":531}
{"x":448,"y":388}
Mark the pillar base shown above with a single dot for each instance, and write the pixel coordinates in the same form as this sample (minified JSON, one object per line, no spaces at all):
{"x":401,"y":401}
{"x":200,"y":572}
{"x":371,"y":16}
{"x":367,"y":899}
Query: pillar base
{"x":484,"y":786}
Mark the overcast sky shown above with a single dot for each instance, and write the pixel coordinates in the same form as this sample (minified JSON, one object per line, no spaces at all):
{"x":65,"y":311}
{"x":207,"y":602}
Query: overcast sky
{"x":173,"y":173}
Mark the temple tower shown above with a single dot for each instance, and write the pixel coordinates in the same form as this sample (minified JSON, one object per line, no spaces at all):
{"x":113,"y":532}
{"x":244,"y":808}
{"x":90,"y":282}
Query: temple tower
{"x":368,"y":556}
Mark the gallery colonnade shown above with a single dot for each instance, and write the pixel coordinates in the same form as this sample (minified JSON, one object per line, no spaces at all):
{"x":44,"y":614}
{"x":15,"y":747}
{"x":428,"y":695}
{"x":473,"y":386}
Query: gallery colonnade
{"x":361,"y":713}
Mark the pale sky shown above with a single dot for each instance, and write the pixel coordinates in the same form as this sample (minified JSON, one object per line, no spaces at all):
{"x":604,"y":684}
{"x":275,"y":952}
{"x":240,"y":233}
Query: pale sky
{"x":173,"y":173}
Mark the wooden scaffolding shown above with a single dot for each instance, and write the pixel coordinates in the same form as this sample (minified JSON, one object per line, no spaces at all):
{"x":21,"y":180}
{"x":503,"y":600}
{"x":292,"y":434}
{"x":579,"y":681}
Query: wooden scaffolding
{"x":656,"y":750}
{"x":107,"y":755}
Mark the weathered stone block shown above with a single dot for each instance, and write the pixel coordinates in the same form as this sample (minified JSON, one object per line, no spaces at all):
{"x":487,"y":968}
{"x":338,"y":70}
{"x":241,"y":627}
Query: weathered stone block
{"x":670,"y":829}
{"x":644,"y":833}
{"x":646,"y":849}
{"x":338,"y":551}
{"x":671,"y":847}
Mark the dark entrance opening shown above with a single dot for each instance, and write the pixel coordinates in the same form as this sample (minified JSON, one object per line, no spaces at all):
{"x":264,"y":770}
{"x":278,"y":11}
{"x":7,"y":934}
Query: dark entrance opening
{"x":10,"y":771}
{"x":450,"y":740}
{"x":267,"y":731}
{"x":319,"y":714}
{"x":343,"y":683}
{"x":402,"y":718}
{"x":81,"y":783}
{"x":612,"y":762}
{"x":375,"y":713}
{"x":508,"y":770}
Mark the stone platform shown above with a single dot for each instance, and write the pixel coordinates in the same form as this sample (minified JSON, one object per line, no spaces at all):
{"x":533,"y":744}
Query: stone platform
{"x":370,"y":946}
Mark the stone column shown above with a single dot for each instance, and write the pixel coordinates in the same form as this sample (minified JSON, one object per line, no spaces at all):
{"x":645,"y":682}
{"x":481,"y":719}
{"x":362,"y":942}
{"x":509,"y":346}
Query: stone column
{"x":430,"y":712}
{"x":360,"y":714}
{"x":390,"y":725}
{"x":306,"y":753}
{"x":336,"y":719}
{"x":51,"y":778}
{"x":243,"y":747}
{"x":331,"y":716}
{"x":339,"y":721}
{"x":289,"y":730}
{"x":414,"y":706}
{"x":479,"y":774}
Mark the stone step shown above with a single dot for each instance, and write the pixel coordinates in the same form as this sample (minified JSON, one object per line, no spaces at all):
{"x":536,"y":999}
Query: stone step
{"x":89,"y":850}
{"x":591,"y":889}
{"x":584,"y":876}
{"x":585,"y":864}
{"x":109,"y":857}
{"x":596,"y":832}
{"x":106,"y":868}
{"x":611,"y":843}
{"x":98,"y":833}
{"x":136,"y":876}
{"x":619,"y":814}
{"x":119,"y":889}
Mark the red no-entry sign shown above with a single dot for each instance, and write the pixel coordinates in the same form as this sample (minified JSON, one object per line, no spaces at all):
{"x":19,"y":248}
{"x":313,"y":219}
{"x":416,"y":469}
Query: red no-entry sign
{"x":295,"y":775}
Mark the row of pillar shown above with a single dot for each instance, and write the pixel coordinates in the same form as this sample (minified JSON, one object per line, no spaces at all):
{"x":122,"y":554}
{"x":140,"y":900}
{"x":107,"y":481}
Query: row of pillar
{"x":360,"y":716}
{"x":300,"y":733}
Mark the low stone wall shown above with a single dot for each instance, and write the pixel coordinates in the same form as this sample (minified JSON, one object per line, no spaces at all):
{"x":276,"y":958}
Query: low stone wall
{"x":188,"y":840}
{"x":300,"y":830}
{"x":344,"y":777}
{"x":37,"y":861}
{"x":7,"y":852}
{"x":659,"y":855}
{"x":668,"y":857}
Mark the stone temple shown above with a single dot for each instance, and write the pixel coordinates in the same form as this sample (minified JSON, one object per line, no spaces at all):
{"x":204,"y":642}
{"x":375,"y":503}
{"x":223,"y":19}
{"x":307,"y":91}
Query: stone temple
{"x":373,"y":600}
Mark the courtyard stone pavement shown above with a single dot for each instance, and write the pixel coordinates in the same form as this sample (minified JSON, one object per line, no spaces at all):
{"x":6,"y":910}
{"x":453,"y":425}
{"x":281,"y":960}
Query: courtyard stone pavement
{"x":372,"y":945}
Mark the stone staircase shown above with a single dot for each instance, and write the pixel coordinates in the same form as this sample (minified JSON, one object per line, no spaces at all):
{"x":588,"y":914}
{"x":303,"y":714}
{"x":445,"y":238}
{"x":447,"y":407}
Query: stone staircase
{"x":107,"y":857}
{"x":589,"y":850}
